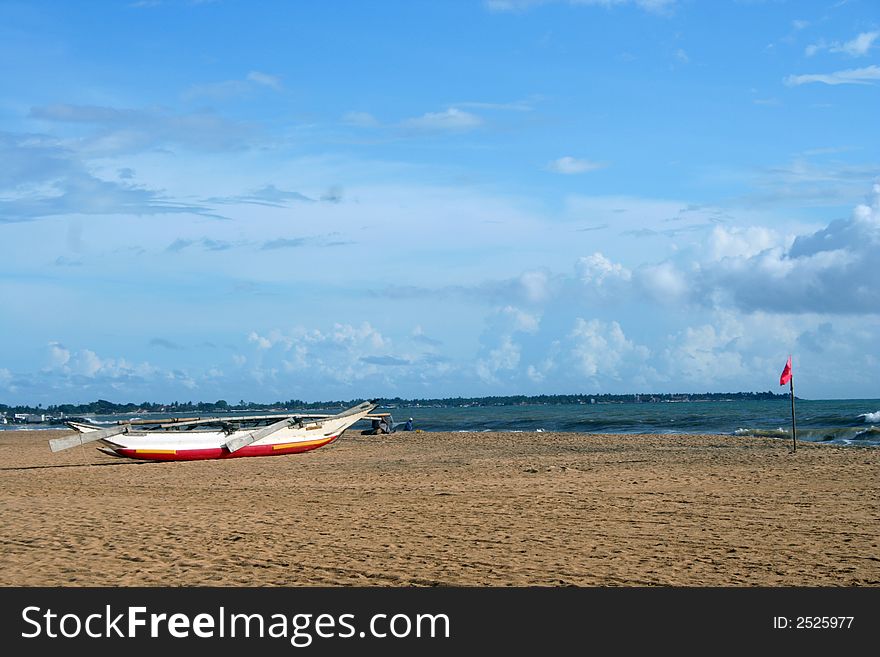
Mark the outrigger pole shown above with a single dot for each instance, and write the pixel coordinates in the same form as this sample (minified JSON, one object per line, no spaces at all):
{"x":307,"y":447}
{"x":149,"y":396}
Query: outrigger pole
{"x":58,"y":444}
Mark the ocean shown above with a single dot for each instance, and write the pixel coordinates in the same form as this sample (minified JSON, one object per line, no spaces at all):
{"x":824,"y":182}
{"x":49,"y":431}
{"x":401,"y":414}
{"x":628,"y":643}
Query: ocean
{"x":839,"y":421}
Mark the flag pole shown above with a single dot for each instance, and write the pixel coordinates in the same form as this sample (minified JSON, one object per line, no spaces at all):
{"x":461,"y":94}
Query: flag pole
{"x":793,"y":425}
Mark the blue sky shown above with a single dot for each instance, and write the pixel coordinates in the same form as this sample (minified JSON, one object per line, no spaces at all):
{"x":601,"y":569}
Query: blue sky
{"x":263,"y":201}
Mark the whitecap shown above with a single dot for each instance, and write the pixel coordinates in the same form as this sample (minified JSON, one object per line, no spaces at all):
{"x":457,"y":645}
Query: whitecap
{"x":871,"y":417}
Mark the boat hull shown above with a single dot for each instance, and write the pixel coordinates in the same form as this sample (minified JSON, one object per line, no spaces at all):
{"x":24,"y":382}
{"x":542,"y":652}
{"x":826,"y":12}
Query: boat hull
{"x":209,"y":453}
{"x":182,"y":440}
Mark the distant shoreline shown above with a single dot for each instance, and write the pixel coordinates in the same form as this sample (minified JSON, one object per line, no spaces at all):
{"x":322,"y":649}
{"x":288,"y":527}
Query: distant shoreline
{"x":104,"y":407}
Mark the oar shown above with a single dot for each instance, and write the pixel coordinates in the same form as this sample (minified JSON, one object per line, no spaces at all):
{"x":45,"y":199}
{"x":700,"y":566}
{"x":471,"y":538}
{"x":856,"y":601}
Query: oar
{"x":82,"y":438}
{"x":243,"y":441}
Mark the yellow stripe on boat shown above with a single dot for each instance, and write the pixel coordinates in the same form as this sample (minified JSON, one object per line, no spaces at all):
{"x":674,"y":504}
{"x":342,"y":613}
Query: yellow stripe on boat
{"x":155,"y":451}
{"x":304,"y":443}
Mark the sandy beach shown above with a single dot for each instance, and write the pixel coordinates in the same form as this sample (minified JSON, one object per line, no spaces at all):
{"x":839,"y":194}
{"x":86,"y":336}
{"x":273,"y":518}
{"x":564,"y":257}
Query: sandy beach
{"x":426,"y":509}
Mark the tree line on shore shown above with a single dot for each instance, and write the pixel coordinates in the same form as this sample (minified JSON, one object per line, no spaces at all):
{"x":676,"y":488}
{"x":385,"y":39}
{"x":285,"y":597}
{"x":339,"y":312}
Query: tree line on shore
{"x":104,"y":407}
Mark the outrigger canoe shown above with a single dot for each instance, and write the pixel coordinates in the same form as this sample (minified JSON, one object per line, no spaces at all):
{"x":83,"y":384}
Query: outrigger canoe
{"x":195,"y":439}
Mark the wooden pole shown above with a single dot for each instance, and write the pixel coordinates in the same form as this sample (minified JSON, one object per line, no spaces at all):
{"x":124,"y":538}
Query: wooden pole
{"x":793,"y":425}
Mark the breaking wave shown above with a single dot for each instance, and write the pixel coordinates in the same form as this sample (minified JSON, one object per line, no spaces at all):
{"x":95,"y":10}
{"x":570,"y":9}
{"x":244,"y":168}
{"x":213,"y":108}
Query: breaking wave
{"x":763,"y":433}
{"x":871,"y":417}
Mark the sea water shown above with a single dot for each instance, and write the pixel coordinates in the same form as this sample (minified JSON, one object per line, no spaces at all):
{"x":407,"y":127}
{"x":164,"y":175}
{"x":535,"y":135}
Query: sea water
{"x":842,"y":422}
{"x":839,"y":421}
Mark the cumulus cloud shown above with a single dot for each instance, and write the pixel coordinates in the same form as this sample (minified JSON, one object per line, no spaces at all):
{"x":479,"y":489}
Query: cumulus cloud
{"x":500,"y":353}
{"x":599,"y":273}
{"x":259,"y":340}
{"x":86,"y":363}
{"x":602,"y":350}
{"x":731,"y":348}
{"x":832,"y":270}
{"x":663,"y":282}
{"x":740,"y":242}
{"x":514,"y":319}
{"x":503,"y":358}
{"x":569,"y":165}
{"x":59,"y":356}
{"x":706,"y":353}
{"x":866,"y":75}
{"x":342,"y":354}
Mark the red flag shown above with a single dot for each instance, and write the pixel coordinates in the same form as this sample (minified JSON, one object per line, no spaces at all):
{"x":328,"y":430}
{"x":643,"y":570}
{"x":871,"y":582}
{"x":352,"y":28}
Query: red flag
{"x":786,"y":373}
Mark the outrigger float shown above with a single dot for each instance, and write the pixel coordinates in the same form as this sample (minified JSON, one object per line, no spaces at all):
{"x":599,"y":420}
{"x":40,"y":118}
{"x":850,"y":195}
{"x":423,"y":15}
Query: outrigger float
{"x":195,"y":439}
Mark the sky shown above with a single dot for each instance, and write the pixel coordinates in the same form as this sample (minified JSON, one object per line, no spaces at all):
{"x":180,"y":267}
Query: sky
{"x":338,"y":200}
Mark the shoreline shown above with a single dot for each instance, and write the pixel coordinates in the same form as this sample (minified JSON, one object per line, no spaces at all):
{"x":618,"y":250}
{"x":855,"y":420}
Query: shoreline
{"x":442,"y":508}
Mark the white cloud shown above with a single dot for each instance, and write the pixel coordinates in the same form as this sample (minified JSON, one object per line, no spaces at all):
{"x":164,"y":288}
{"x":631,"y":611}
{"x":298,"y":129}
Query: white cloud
{"x":505,"y":357}
{"x":539,"y":373}
{"x":832,"y":270}
{"x":535,"y":285}
{"x":261,"y":341}
{"x":654,"y":6}
{"x":597,"y":271}
{"x":707,"y":353}
{"x":58,"y":355}
{"x":569,"y":165}
{"x":89,"y":363}
{"x":449,"y":120}
{"x":600,"y":349}
{"x":343,"y":354}
{"x":520,"y":320}
{"x":851,"y":76}
{"x":740,"y":242}
{"x":663,"y":283}
{"x":856,"y":47}
{"x":732,"y":349}
{"x":682,"y":56}
{"x":86,"y":363}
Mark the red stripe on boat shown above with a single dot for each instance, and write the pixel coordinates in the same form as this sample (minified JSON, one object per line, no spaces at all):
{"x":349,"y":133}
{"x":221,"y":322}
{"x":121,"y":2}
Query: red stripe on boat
{"x":222,"y":452}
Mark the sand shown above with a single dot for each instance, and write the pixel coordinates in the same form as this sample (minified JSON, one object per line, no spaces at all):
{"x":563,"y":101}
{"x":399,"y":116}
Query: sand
{"x":425,"y":509}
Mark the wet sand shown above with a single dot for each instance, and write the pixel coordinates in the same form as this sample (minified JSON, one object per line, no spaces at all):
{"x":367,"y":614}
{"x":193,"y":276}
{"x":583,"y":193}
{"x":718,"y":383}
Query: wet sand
{"x":425,"y":509}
